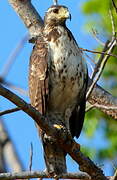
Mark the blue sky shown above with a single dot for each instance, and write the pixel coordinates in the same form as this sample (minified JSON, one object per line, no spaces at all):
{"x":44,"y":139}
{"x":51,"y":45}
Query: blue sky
{"x":20,"y":126}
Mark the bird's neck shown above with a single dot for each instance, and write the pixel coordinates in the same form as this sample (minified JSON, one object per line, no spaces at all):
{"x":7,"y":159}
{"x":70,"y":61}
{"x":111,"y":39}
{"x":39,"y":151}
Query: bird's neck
{"x":53,"y":23}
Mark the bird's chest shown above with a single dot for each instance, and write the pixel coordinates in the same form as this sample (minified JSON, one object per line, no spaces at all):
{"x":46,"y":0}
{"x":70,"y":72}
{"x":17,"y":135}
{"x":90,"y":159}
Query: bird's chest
{"x":65,"y":65}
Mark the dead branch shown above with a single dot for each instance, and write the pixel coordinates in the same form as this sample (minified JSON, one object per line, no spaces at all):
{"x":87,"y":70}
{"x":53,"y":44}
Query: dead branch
{"x":105,"y":107}
{"x":112,"y":22}
{"x":37,"y":174}
{"x":96,"y":69}
{"x":13,"y":160}
{"x":100,"y":67}
{"x":31,"y":156}
{"x":103,"y":98}
{"x":61,"y":135}
{"x":8,"y":111}
{"x":114,"y":5}
{"x":94,"y":33}
{"x":14,"y":87}
{"x":12,"y":57}
{"x":98,"y":52}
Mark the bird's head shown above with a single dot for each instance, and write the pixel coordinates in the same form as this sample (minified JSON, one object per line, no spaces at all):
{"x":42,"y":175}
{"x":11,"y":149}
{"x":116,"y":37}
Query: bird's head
{"x":57,"y":15}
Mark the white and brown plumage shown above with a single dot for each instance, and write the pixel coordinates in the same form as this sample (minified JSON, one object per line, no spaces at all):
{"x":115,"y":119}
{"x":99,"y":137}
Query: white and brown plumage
{"x":57,"y":82}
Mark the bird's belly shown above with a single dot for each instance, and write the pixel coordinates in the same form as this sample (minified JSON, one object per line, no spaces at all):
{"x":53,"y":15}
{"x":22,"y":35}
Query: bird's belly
{"x":66,"y":84}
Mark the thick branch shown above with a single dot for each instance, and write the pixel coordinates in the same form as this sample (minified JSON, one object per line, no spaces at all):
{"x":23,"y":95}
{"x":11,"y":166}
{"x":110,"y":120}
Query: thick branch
{"x":60,"y":134}
{"x":101,"y":97}
{"x":36,"y":174}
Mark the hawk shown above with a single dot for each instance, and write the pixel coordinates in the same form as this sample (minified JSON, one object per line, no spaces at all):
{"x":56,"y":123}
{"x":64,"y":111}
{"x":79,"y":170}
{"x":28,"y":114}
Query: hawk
{"x":58,"y":83}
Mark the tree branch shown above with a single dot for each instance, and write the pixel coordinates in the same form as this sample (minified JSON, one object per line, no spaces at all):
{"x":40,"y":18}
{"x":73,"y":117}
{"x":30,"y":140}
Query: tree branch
{"x":9,"y":153}
{"x":114,"y":5}
{"x":102,"y":98}
{"x":37,"y":174}
{"x":8,"y":111}
{"x":12,"y":57}
{"x":100,"y":67}
{"x":98,"y":52}
{"x":60,"y":133}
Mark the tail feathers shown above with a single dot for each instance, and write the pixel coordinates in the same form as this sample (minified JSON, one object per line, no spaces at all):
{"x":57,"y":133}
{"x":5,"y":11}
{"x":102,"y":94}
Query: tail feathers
{"x":54,"y":157}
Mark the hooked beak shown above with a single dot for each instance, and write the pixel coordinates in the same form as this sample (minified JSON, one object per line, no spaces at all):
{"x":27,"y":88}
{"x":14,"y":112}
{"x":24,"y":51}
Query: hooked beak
{"x":70,"y":17}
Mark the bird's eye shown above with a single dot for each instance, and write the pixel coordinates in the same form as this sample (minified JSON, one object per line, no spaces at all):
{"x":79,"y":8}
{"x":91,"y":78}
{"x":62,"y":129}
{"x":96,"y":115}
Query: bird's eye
{"x":55,"y":11}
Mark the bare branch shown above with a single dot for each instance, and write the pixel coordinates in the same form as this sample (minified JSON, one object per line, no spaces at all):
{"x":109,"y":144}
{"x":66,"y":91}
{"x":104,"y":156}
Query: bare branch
{"x":37,"y":174}
{"x":101,"y":67}
{"x":12,"y":86}
{"x":98,"y":52}
{"x":31,"y":156}
{"x":114,"y":5}
{"x":13,"y":56}
{"x":9,"y":153}
{"x":8,"y":111}
{"x":94,"y":32}
{"x":61,"y":134}
{"x":96,"y":69}
{"x":55,"y":2}
{"x":112,"y":22}
{"x":105,"y":107}
{"x":101,"y":97}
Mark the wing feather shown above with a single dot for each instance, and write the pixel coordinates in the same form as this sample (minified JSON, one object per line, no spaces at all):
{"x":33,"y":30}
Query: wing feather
{"x":38,"y":76}
{"x":77,"y":117}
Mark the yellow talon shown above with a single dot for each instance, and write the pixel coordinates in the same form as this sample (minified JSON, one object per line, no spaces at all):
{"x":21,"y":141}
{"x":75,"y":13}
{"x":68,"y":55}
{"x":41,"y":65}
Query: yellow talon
{"x":58,"y":126}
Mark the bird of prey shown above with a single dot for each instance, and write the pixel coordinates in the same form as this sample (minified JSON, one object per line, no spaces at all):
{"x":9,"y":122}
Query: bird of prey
{"x":58,"y":83}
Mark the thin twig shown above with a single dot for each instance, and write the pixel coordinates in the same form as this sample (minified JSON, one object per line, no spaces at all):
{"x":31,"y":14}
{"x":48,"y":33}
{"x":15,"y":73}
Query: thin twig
{"x":114,"y":5}
{"x":106,"y":107}
{"x":8,"y":111}
{"x":96,"y":69}
{"x":112,"y":23}
{"x":31,"y":156}
{"x":14,"y":87}
{"x":10,"y":154}
{"x":103,"y":107}
{"x":37,"y":174}
{"x":102,"y":65}
{"x":98,"y":52}
{"x":97,"y":39}
{"x":55,"y":2}
{"x":13,"y":56}
{"x":89,"y":107}
{"x":90,"y":58}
